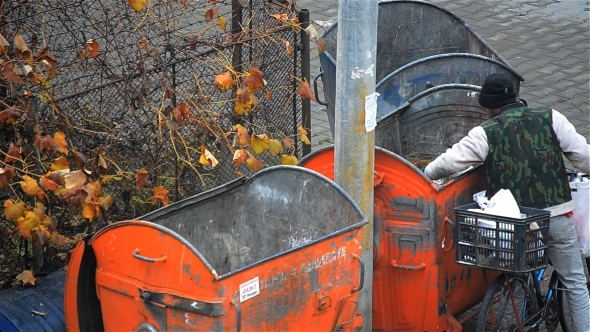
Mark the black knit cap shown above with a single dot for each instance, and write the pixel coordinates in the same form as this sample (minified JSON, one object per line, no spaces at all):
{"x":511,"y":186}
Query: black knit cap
{"x":497,"y":91}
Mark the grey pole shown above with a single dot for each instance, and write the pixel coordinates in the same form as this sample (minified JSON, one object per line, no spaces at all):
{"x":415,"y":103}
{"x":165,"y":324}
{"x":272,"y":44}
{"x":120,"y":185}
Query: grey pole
{"x":355,"y":112}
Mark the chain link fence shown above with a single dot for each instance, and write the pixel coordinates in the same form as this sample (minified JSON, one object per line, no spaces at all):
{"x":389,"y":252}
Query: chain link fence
{"x":118,"y":107}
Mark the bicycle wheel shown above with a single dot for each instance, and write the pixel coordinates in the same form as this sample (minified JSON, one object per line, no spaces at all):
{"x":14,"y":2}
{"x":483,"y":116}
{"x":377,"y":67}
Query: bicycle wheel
{"x":564,"y":316}
{"x":509,"y":305}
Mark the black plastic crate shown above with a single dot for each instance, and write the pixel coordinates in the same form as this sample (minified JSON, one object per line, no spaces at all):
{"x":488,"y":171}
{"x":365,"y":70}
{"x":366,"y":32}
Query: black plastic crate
{"x":501,"y":243}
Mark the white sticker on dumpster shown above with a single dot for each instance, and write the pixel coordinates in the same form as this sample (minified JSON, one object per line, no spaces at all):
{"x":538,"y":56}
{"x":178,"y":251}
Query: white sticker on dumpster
{"x":371,"y":111}
{"x":249,"y":289}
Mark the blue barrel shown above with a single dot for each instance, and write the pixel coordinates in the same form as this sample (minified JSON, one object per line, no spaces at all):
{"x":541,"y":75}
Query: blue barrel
{"x":36,"y":308}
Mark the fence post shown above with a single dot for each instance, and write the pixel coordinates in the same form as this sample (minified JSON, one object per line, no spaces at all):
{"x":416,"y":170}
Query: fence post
{"x":303,"y":17}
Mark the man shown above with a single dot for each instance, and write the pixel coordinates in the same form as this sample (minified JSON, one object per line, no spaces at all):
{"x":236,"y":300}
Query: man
{"x":521,"y":149}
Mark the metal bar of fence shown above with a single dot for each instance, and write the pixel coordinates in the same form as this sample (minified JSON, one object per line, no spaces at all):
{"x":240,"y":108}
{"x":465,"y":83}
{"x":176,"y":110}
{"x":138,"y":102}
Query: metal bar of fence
{"x":303,"y":17}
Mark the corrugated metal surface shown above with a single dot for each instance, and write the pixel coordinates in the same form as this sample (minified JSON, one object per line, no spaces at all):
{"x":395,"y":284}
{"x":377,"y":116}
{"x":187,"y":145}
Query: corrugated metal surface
{"x":19,"y":304}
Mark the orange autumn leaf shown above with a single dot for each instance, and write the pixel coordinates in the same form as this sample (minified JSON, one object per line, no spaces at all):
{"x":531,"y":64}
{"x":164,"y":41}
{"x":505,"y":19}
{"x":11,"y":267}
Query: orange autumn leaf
{"x":9,"y":115}
{"x":207,"y":158}
{"x":45,"y":143}
{"x":288,"y":160}
{"x":8,"y":73}
{"x":20,"y":45}
{"x":274,"y":147}
{"x":267,"y":95}
{"x":303,"y":135}
{"x":245,"y":101}
{"x":243,"y":136}
{"x":31,"y":187}
{"x":136,"y":5}
{"x":26,"y":278}
{"x":60,"y":140}
{"x":60,"y":164}
{"x":142,"y":178}
{"x":254,"y":80}
{"x":259,"y":143}
{"x":288,"y":47}
{"x":48,"y":184}
{"x":240,"y":157}
{"x":13,"y":154}
{"x":288,"y":143}
{"x":13,"y":211}
{"x":181,"y":113}
{"x":224,"y":81}
{"x":280,"y":17}
{"x":88,"y":211}
{"x":211,"y":13}
{"x":90,"y":48}
{"x":160,"y":193}
{"x":27,"y":224}
{"x":305,"y":90}
{"x":253,"y":163}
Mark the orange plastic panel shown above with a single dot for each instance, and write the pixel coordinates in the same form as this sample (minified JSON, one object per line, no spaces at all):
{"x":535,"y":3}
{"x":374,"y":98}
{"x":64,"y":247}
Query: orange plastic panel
{"x":416,"y":280}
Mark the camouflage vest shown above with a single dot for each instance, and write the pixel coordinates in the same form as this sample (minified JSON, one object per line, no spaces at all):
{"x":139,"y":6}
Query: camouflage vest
{"x":525,"y":157}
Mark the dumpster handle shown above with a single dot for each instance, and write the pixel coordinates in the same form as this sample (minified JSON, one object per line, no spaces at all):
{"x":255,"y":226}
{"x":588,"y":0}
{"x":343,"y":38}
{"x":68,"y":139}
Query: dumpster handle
{"x":361,"y":274}
{"x":422,"y":266}
{"x":147,"y":259}
{"x":451,"y":245}
{"x":145,"y":327}
{"x":315,"y":88}
{"x":238,"y":315}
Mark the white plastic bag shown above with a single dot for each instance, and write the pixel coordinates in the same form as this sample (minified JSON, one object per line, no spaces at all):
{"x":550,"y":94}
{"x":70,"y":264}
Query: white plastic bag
{"x":501,"y":204}
{"x":581,"y":215}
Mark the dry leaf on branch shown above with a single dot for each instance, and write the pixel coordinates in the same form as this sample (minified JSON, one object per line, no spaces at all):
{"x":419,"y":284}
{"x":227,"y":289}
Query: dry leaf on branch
{"x":211,"y":13}
{"x":224,"y":81}
{"x":305,"y":90}
{"x":26,"y":278}
{"x":136,"y":5}
{"x":142,"y":177}
{"x":90,"y":50}
{"x":9,"y":115}
{"x":207,"y":158}
{"x":259,"y":143}
{"x":288,"y":160}
{"x":160,"y":193}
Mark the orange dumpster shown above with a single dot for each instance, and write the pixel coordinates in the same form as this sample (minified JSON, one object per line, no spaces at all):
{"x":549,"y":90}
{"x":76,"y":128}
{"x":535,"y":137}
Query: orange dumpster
{"x":417,"y":284}
{"x":279,"y":251}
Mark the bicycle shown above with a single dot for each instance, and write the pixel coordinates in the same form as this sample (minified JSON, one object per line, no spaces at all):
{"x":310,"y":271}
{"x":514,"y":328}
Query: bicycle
{"x":515,"y":302}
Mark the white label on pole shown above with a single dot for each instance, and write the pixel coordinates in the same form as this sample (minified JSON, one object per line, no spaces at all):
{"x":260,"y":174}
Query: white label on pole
{"x":249,"y":289}
{"x":371,"y":111}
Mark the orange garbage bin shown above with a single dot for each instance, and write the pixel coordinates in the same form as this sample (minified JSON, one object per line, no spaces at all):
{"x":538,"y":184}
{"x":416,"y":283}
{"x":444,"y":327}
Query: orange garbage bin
{"x":279,"y":251}
{"x":417,"y":284}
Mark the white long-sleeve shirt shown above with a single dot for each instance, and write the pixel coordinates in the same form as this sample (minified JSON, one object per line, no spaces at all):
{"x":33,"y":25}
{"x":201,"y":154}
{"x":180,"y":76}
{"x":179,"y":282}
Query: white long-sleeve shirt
{"x":473,"y":149}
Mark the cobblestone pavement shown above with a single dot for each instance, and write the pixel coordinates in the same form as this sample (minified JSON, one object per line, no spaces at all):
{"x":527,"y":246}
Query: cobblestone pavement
{"x":545,"y":41}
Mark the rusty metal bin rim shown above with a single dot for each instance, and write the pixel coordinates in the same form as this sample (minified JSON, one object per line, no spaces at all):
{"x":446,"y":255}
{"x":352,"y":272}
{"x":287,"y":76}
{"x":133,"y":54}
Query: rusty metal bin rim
{"x":444,"y":56}
{"x":405,"y":105}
